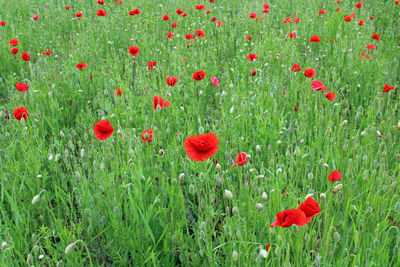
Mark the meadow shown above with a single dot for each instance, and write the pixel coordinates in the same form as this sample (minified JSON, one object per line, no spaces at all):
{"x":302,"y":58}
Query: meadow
{"x":199,"y":133}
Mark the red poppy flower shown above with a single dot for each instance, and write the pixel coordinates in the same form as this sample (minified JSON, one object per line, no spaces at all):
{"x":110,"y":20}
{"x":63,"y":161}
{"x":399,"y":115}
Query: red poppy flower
{"x":199,"y":75}
{"x":208,"y":12}
{"x":318,"y":86}
{"x":35,"y":17}
{"x":321,"y":11}
{"x":268,"y":247}
{"x":295,"y":109}
{"x":347,"y":18}
{"x":214,"y":19}
{"x":249,"y":38}
{"x":359,"y":4}
{"x":315,"y":39}
{"x":171,"y":81}
{"x":292,"y":35}
{"x":310,"y":73}
{"x":397,"y":2}
{"x":13,"y":42}
{"x":253,"y":15}
{"x":201,"y":147}
{"x":2,"y":23}
{"x":265,"y":10}
{"x":338,"y":9}
{"x":310,"y":207}
{"x":135,"y":12}
{"x":78,"y":14}
{"x":252,"y":57}
{"x":67,"y":7}
{"x":118,"y":91}
{"x":215,"y":81}
{"x":146,"y":136}
{"x":22,"y":87}
{"x":361,"y":23}
{"x":20,"y":113}
{"x":219,"y":23}
{"x":179,"y":11}
{"x":151,"y":65}
{"x":170,"y":35}
{"x":134,"y":50}
{"x":331,"y":95}
{"x":103,"y":130}
{"x":387,"y":88}
{"x":165,"y":17}
{"x":159,"y":101}
{"x":190,"y":36}
{"x":370,"y":47}
{"x":200,"y":33}
{"x":25,"y":56}
{"x":174,"y":25}
{"x":14,"y":51}
{"x":376,"y":36}
{"x":287,"y":20}
{"x":48,"y":52}
{"x":296,"y":67}
{"x":371,"y":18}
{"x":212,"y":1}
{"x":101,"y":13}
{"x":100,"y":2}
{"x":252,"y":73}
{"x":200,"y":7}
{"x":81,"y":65}
{"x":287,"y":218}
{"x":184,"y":14}
{"x":241,"y":159}
{"x":335,"y":176}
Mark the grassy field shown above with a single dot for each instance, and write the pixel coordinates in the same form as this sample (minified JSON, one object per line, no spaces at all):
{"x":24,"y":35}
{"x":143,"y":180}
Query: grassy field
{"x":142,"y":198}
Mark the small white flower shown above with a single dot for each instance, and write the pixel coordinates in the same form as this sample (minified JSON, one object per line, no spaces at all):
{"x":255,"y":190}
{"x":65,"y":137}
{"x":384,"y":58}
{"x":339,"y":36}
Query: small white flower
{"x":4,"y":245}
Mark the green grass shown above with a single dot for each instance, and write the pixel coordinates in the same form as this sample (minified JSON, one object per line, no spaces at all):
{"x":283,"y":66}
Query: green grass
{"x":125,"y":202}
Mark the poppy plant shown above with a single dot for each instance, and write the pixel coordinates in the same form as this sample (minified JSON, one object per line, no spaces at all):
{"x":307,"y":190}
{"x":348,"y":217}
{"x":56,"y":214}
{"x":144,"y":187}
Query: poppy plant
{"x":20,"y":113}
{"x":48,"y":52}
{"x":25,"y":56}
{"x":174,"y":25}
{"x":118,"y":91}
{"x":147,"y":136}
{"x":158,"y":101}
{"x":331,"y":95}
{"x":315,"y":39}
{"x":361,"y":23}
{"x":101,"y":13}
{"x":310,"y":208}
{"x":35,"y":17}
{"x":241,"y":159}
{"x":253,"y":15}
{"x":170,"y":35}
{"x":287,"y":218}
{"x":200,"y":7}
{"x":67,"y":7}
{"x":200,"y":33}
{"x":376,"y":36}
{"x":292,"y":35}
{"x":335,"y":176}
{"x":13,"y":42}
{"x":171,"y":81}
{"x":310,"y":73}
{"x":253,"y":73}
{"x":359,"y":4}
{"x":14,"y":51}
{"x":2,"y":23}
{"x":165,"y":17}
{"x":370,"y":47}
{"x":151,"y":65}
{"x":22,"y":87}
{"x":387,"y":88}
{"x":81,"y":65}
{"x":215,"y":81}
{"x":100,"y":2}
{"x":78,"y":14}
{"x":179,"y":11}
{"x":134,"y":50}
{"x":318,"y":86}
{"x":201,"y":147}
{"x":190,"y":37}
{"x":321,"y":11}
{"x":252,"y":57}
{"x":296,"y":67}
{"x":199,"y":75}
{"x":103,"y":130}
{"x":135,"y":12}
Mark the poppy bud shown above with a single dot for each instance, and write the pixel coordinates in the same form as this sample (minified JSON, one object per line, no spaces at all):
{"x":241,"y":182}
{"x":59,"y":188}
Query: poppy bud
{"x":310,"y":176}
{"x":259,"y":206}
{"x":201,"y":93}
{"x":235,"y":210}
{"x":192,"y":190}
{"x":228,"y":194}
{"x":4,"y":245}
{"x":264,"y":196}
{"x":279,"y":142}
{"x":119,"y":132}
{"x":322,"y":196}
{"x":234,"y":255}
{"x":258,"y":148}
{"x":278,"y":251}
{"x":218,"y":166}
{"x":272,"y":192}
{"x":325,"y":165}
{"x":62,"y":134}
{"x":39,"y":176}
{"x":69,"y":248}
{"x":279,"y":170}
{"x":35,"y":199}
{"x":263,"y":253}
{"x":41,"y":257}
{"x":161,"y":152}
{"x":181,"y":177}
{"x":336,"y":236}
{"x":337,"y":188}
{"x":82,"y":153}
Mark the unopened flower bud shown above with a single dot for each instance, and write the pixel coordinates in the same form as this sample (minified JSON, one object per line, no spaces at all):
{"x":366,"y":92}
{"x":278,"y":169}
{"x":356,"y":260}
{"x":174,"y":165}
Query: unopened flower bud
{"x":161,"y":152}
{"x":4,"y":245}
{"x":181,"y":177}
{"x":322,"y":196}
{"x":234,"y":255}
{"x":259,"y":206}
{"x":41,"y":257}
{"x":218,"y":166}
{"x":35,"y":199}
{"x":278,"y":251}
{"x":264,"y":196}
{"x":235,"y":210}
{"x":62,"y":134}
{"x":325,"y":165}
{"x":279,"y":142}
{"x":337,"y":188}
{"x":336,"y":236}
{"x":69,"y":248}
{"x":39,"y":176}
{"x":258,"y":148}
{"x":228,"y":194}
{"x":263,"y":253}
